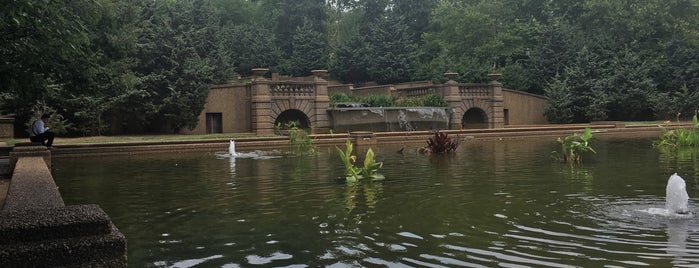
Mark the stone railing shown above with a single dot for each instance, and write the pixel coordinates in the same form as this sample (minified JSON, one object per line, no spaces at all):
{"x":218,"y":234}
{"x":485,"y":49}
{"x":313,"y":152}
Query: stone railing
{"x":38,"y":230}
{"x":415,"y":92}
{"x":475,"y":90}
{"x":288,"y":89}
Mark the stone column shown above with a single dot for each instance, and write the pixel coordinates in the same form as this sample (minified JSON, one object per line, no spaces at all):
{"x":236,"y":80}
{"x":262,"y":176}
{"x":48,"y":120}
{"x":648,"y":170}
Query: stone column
{"x":453,"y":98}
{"x":261,"y":103}
{"x":322,"y":101}
{"x":497,"y":102}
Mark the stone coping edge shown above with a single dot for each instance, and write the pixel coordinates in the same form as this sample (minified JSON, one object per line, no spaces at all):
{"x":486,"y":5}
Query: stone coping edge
{"x":54,"y":223}
{"x":86,"y":251}
{"x":255,"y":143}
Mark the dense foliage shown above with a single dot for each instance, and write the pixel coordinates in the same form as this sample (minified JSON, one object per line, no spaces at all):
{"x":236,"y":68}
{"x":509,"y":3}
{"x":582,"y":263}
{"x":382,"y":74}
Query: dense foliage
{"x":129,"y":66}
{"x":680,"y":137}
{"x":429,"y":100}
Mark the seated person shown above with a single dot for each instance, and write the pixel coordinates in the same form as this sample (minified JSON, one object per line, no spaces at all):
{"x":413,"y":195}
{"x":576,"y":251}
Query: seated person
{"x":40,"y":132}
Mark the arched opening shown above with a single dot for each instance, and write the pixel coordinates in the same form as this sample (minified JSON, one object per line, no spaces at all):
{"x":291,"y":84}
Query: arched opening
{"x":474,"y":118}
{"x":290,"y":118}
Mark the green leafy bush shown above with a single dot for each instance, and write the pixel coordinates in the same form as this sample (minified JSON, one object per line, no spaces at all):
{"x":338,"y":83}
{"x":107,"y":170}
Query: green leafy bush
{"x":429,"y":100}
{"x":368,"y":171}
{"x":434,"y":100}
{"x":379,"y":101}
{"x":301,"y":142}
{"x":574,"y":148}
{"x":339,"y":97}
{"x":410,"y":102}
{"x":680,"y":137}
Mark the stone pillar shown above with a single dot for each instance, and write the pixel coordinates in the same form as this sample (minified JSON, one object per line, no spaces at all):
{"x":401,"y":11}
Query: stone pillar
{"x":322,"y":101}
{"x":261,"y":103}
{"x":497,"y":102}
{"x":453,"y":98}
{"x":319,"y":74}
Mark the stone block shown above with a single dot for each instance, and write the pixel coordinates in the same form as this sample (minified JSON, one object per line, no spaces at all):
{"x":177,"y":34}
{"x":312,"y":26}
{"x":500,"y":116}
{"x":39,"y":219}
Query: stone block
{"x":74,"y":236}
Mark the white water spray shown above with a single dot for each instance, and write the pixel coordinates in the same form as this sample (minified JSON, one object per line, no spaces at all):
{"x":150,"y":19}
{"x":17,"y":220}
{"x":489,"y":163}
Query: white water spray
{"x":231,"y":149}
{"x":676,"y":198}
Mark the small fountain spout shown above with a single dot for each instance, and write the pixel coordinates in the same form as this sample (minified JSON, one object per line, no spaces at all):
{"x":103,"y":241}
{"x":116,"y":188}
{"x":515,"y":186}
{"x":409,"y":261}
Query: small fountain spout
{"x":231,"y":149}
{"x":676,"y":197}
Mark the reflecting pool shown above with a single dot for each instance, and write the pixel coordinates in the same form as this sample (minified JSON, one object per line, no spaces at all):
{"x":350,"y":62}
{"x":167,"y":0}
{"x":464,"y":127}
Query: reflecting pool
{"x":493,"y":203}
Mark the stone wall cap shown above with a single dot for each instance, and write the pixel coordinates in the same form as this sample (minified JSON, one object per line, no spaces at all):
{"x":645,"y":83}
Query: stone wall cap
{"x":42,"y":224}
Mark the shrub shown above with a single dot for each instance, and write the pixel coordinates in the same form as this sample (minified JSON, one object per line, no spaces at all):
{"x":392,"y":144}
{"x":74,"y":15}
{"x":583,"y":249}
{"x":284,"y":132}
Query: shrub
{"x":573,"y":149}
{"x":679,"y":137}
{"x":379,"y":101}
{"x":300,"y":141}
{"x":339,"y":97}
{"x":441,"y":143}
{"x":410,"y":102}
{"x":434,"y":100}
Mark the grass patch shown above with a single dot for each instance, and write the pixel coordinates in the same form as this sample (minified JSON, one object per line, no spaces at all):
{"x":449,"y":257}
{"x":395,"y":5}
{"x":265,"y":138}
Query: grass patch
{"x":145,"y":138}
{"x":133,"y":138}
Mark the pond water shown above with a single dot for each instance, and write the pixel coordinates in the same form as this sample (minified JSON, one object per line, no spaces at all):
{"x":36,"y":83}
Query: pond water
{"x":493,"y":203}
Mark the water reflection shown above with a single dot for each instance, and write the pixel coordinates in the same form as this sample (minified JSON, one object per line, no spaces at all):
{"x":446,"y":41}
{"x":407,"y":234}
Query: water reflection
{"x":579,"y":173}
{"x":361,"y":194}
{"x":232,"y":166}
{"x":680,"y":160}
{"x":677,"y":234}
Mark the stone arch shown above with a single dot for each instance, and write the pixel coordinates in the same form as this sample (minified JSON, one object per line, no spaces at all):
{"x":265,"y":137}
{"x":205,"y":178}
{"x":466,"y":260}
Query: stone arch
{"x":474,"y":118}
{"x":292,"y":115}
{"x":475,"y":110}
{"x":303,"y":106}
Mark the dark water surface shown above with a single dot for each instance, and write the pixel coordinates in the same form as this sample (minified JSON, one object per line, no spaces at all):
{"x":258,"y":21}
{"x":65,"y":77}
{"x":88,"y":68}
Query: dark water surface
{"x":499,"y":203}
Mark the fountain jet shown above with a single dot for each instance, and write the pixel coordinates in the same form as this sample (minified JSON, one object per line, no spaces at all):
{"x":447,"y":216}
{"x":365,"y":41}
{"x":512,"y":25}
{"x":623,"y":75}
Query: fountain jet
{"x":231,"y":149}
{"x":676,"y":198}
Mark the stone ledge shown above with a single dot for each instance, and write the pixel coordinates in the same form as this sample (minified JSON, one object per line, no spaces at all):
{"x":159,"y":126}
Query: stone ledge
{"x":32,"y":187}
{"x":44,"y":224}
{"x":84,"y":251}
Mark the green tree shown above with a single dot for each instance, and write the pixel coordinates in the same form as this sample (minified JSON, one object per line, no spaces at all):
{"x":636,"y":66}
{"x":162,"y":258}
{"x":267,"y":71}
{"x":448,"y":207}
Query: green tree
{"x":292,"y":15}
{"x":309,"y":50}
{"x":250,"y":46}
{"x":393,"y":55}
{"x":40,"y":43}
{"x":350,"y":62}
{"x":416,"y":15}
{"x":178,"y":61}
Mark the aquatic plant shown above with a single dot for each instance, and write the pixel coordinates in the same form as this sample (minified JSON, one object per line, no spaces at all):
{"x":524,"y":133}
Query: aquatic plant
{"x":353,"y":173}
{"x":680,"y":137}
{"x":441,"y":143}
{"x":301,"y":142}
{"x":573,"y":148}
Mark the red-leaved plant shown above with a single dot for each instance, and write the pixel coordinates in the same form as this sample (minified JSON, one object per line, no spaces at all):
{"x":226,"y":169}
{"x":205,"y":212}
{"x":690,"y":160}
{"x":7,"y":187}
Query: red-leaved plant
{"x":441,"y":143}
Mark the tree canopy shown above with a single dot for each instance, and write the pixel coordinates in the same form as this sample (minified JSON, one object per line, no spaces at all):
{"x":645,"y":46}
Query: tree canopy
{"x":129,"y":66}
